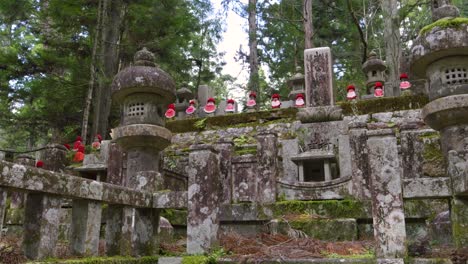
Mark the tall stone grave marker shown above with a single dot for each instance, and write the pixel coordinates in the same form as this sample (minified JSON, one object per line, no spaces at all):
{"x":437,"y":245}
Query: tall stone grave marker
{"x":319,"y":78}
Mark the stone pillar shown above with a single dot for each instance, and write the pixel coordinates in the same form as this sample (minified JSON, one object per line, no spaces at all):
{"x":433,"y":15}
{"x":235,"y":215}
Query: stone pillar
{"x":360,"y":160}
{"x":203,"y":199}
{"x":119,"y":218}
{"x":387,"y":198}
{"x":85,"y":227}
{"x":267,"y":173}
{"x":318,"y":77}
{"x":17,"y":199}
{"x":42,"y":212}
{"x":146,"y":224}
{"x":119,"y":230}
{"x":204,"y":92}
{"x":225,"y":149}
{"x":290,"y":147}
{"x":459,"y":219}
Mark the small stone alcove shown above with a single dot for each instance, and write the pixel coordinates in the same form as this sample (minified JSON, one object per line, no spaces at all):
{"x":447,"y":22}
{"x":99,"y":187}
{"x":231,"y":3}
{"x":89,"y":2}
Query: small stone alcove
{"x":316,"y":166}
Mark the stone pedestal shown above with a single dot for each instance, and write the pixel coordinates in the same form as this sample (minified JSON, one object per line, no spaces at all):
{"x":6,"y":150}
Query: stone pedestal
{"x":85,"y":227}
{"x":387,"y":201}
{"x":318,"y":77}
{"x":225,"y":149}
{"x":267,"y":172}
{"x":203,"y":199}
{"x":54,"y":157}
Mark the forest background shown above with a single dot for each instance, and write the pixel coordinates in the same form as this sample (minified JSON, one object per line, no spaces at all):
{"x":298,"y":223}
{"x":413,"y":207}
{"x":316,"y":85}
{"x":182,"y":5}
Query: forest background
{"x":58,"y":57}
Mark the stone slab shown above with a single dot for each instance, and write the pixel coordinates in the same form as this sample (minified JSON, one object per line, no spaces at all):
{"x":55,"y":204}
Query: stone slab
{"x":170,"y":260}
{"x":427,"y":187}
{"x":318,"y":77}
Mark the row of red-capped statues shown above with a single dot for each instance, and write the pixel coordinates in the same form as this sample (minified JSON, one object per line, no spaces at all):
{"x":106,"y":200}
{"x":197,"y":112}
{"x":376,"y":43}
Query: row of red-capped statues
{"x":378,"y":88}
{"x":210,"y":106}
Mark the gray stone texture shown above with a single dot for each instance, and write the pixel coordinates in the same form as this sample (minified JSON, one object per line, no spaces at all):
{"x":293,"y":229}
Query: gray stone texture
{"x":318,"y":77}
{"x":119,"y":230}
{"x":203,"y":199}
{"x":374,"y":69}
{"x":244,"y":172}
{"x":427,"y":187}
{"x":204,"y":92}
{"x":360,"y":168}
{"x":289,"y":148}
{"x":320,"y":114}
{"x":415,"y":145}
{"x":85,"y":227}
{"x":225,"y":149}
{"x":41,"y":225}
{"x":146,"y":239}
{"x":387,"y":200}
{"x":267,"y":170}
{"x":54,"y":157}
{"x":115,"y":165}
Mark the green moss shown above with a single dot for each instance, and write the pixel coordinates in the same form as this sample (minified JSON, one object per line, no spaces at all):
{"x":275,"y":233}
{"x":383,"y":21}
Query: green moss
{"x":384,"y":104}
{"x":234,"y":120}
{"x":245,"y":151}
{"x":434,"y":160}
{"x":175,"y":217}
{"x":107,"y":260}
{"x":445,"y":23}
{"x":194,"y":260}
{"x":325,"y":229}
{"x":328,"y":208}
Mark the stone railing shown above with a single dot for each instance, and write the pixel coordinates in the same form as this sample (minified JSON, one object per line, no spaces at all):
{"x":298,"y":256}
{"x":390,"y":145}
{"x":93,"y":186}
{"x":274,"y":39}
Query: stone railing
{"x":45,"y":190}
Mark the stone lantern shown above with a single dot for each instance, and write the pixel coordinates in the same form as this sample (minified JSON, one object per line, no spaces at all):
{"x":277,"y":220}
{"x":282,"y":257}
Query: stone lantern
{"x":143,"y":92}
{"x":296,"y":83}
{"x":374,"y":68}
{"x":441,"y":55}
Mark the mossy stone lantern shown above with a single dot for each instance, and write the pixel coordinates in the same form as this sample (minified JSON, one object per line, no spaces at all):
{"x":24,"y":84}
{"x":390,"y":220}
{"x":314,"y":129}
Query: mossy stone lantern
{"x":296,"y":83}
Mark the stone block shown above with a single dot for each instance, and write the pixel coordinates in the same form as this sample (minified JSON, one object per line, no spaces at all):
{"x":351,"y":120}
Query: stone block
{"x":387,"y":201}
{"x":427,"y":187}
{"x":360,"y":166}
{"x":203,"y":199}
{"x":145,"y":233}
{"x":3,"y":204}
{"x":318,"y":77}
{"x":170,"y":260}
{"x":119,"y":230}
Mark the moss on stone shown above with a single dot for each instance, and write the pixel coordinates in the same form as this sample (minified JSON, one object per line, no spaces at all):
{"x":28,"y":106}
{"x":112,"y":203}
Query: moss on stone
{"x":384,"y":104}
{"x":107,"y":260}
{"x":325,"y":229}
{"x":328,"y":208}
{"x":245,"y":151}
{"x":233,"y":120}
{"x":175,"y":217}
{"x":194,"y":260}
{"x":434,"y":160}
{"x":456,"y":22}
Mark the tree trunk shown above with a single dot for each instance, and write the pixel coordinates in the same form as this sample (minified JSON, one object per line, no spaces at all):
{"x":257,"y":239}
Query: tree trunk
{"x":308,"y":24}
{"x":253,"y":54}
{"x":113,"y":13}
{"x":392,"y":45}
{"x":92,"y":76}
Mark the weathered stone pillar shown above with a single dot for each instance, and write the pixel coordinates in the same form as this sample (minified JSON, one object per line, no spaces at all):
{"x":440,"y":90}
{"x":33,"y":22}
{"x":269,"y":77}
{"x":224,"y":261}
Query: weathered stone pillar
{"x":387,"y":199}
{"x":225,"y":149}
{"x":203,"y":199}
{"x":267,"y":173}
{"x":42,"y":212}
{"x":17,"y":199}
{"x":85,"y":227}
{"x":119,"y":218}
{"x":119,"y":230}
{"x":318,"y":77}
{"x":360,"y":158}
